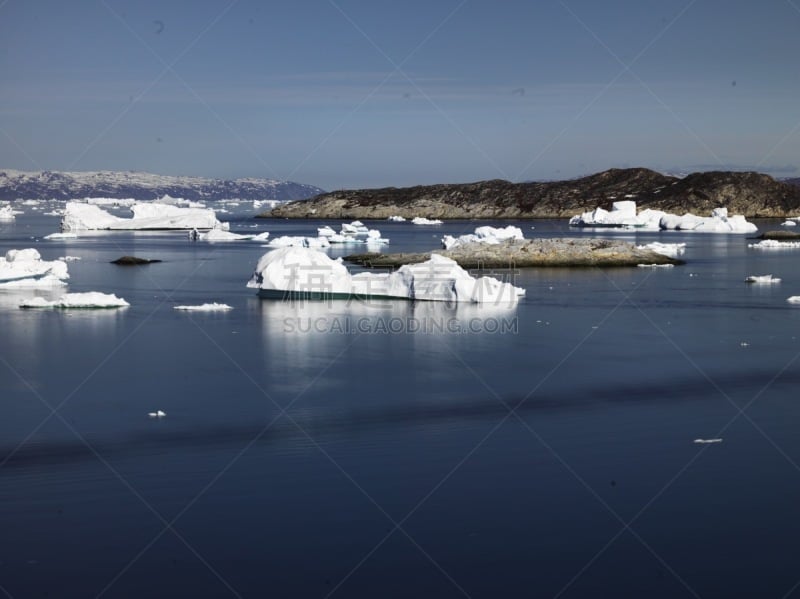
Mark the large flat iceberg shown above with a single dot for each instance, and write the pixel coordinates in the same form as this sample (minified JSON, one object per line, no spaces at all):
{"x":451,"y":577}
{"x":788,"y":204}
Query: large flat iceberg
{"x":25,"y":268}
{"x":623,"y":214}
{"x":87,"y":300}
{"x":303,"y":272}
{"x":79,"y":216}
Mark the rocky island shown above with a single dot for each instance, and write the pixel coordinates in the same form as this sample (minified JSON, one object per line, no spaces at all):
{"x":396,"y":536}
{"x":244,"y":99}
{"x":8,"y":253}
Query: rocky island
{"x":514,"y":253}
{"x":748,"y":193}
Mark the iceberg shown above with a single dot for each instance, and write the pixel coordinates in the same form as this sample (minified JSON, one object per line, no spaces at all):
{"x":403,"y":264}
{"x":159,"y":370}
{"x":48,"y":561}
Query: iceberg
{"x":213,"y":307}
{"x":795,"y":299}
{"x":490,"y":235}
{"x":354,"y":228}
{"x":87,"y":300}
{"x":110,"y":201}
{"x":55,"y":236}
{"x":771,"y":244}
{"x":374,"y":237}
{"x":25,"y":268}
{"x":397,"y":219}
{"x":623,"y":215}
{"x":788,"y":223}
{"x":306,"y":273}
{"x":218,"y":235}
{"x":421,"y":220}
{"x":298,"y":241}
{"x":325,"y":231}
{"x":762,"y":279}
{"x":79,"y":216}
{"x":673,"y":250}
{"x":718,"y":222}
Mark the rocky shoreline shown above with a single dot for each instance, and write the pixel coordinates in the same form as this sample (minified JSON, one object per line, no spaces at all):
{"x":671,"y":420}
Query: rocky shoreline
{"x":515,"y":253}
{"x":751,"y":194}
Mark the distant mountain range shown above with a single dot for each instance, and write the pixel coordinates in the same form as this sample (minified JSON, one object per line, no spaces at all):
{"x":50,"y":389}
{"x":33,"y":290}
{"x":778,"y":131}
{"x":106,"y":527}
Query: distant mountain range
{"x":748,"y":193}
{"x":143,"y":186}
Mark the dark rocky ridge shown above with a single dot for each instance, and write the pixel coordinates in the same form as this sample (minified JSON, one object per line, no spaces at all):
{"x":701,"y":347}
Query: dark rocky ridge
{"x":143,"y":186}
{"x":748,"y":193}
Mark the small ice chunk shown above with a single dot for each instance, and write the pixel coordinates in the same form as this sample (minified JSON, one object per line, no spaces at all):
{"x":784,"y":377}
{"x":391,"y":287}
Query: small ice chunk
{"x":213,"y":307}
{"x":762,"y":279}
{"x":788,"y":223}
{"x":655,"y":265}
{"x":156,"y":414}
{"x":707,"y":441}
{"x":673,"y":250}
{"x":397,"y":219}
{"x":772,"y":244}
{"x":53,"y":236}
{"x":421,"y":220}
{"x":795,"y":299}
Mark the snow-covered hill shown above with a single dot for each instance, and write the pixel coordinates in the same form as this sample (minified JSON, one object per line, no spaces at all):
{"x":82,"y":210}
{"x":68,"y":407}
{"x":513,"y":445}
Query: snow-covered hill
{"x":143,"y":186}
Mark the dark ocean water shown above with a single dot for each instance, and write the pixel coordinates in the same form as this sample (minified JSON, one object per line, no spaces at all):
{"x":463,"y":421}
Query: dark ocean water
{"x":544,"y":450}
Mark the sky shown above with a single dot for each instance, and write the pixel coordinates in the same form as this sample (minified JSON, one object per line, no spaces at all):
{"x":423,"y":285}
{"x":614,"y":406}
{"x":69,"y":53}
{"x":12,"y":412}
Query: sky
{"x":371,"y":93}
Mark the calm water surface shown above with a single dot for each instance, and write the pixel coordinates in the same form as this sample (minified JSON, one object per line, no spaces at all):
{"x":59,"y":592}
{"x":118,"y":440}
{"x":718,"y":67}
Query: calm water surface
{"x":555,"y":458}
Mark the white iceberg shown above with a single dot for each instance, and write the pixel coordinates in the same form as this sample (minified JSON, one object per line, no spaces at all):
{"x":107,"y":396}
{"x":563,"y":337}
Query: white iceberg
{"x":795,"y":299}
{"x":25,"y":268}
{"x":301,"y":272}
{"x":772,"y":244}
{"x":421,"y":220}
{"x":788,"y":223}
{"x":673,"y":250}
{"x":325,"y":231}
{"x":488,"y":235}
{"x":87,"y":300}
{"x":213,"y":307}
{"x":69,"y":258}
{"x":354,"y":228}
{"x":262,"y":236}
{"x":397,"y":219}
{"x":181,"y":202}
{"x":298,"y":241}
{"x":218,"y":235}
{"x":79,"y":216}
{"x":707,"y":441}
{"x":623,"y":215}
{"x":718,"y":222}
{"x":156,"y":414}
{"x":374,"y":237}
{"x":55,"y":236}
{"x":762,"y":279}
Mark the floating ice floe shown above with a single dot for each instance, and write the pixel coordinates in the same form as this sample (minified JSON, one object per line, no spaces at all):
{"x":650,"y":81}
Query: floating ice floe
{"x":25,"y":268}
{"x":397,"y":219}
{"x":707,"y":441}
{"x":213,"y":307}
{"x":325,"y":231}
{"x":306,"y":273}
{"x":673,"y":250}
{"x":789,"y":223}
{"x":218,"y":235}
{"x":488,"y":235}
{"x":156,"y":414}
{"x":299,"y":241}
{"x":69,"y":258}
{"x":795,"y":299}
{"x":623,"y":215}
{"x":87,"y":300}
{"x":79,"y":216}
{"x":421,"y":220}
{"x":772,"y":244}
{"x":762,"y":279}
{"x":56,"y":236}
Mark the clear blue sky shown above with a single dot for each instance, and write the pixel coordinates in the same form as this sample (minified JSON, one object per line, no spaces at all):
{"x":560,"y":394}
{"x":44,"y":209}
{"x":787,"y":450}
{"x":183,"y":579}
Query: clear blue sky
{"x":364,"y":93}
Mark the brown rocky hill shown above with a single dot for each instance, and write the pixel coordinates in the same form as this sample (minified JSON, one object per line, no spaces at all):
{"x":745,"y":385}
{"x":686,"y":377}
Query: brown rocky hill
{"x":748,"y":193}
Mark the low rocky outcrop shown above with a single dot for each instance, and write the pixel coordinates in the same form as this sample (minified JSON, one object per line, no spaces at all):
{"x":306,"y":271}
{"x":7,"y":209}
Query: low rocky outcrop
{"x":518,"y":253}
{"x":133,"y":261}
{"x":780,"y":235}
{"x":748,"y":193}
